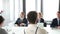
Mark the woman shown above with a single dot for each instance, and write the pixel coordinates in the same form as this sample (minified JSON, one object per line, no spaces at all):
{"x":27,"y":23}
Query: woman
{"x":40,"y":19}
{"x":22,"y":21}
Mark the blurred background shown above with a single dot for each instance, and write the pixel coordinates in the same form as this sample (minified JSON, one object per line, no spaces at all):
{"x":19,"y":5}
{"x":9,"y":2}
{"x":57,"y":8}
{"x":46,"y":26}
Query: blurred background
{"x":12,"y":8}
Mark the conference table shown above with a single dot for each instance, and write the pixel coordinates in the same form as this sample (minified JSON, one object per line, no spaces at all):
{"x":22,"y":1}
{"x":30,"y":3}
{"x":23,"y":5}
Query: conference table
{"x":20,"y":30}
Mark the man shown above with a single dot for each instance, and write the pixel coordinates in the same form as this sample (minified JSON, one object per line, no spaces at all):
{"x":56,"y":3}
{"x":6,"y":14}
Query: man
{"x":32,"y":27}
{"x":22,"y":21}
{"x":2,"y":31}
{"x":56,"y":21}
{"x":40,"y":19}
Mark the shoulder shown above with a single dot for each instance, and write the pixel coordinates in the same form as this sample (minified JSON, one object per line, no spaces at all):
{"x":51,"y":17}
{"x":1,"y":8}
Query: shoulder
{"x":18,"y":18}
{"x":42,"y":18}
{"x":55,"y":19}
{"x":42,"y":31}
{"x":2,"y":31}
{"x":25,"y":19}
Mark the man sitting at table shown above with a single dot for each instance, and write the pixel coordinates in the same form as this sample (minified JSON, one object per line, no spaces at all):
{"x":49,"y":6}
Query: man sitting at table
{"x":56,"y":21}
{"x":32,"y":27}
{"x":2,"y":31}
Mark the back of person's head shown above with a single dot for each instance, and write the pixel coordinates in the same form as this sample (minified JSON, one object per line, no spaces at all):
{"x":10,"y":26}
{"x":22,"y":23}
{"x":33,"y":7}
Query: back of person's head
{"x":32,"y":17}
{"x":1,"y":19}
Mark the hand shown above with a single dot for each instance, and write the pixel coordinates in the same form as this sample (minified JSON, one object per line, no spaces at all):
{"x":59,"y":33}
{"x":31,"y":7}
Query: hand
{"x":22,"y":24}
{"x":16,"y":25}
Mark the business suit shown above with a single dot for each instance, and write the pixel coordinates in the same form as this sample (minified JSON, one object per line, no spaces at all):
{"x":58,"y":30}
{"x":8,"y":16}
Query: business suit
{"x":19,"y":21}
{"x":42,"y":21}
{"x":54,"y":23}
{"x":2,"y":31}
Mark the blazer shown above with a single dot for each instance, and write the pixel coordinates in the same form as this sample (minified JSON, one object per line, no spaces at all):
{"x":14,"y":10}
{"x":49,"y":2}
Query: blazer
{"x":54,"y":23}
{"x":2,"y":31}
{"x":42,"y":21}
{"x":18,"y":22}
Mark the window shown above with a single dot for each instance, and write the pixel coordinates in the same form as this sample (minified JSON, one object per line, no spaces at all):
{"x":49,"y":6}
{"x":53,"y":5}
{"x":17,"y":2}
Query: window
{"x":12,"y":11}
{"x":16,"y":6}
{"x":50,"y":7}
{"x":1,"y":5}
{"x":33,"y":5}
{"x":30,"y":5}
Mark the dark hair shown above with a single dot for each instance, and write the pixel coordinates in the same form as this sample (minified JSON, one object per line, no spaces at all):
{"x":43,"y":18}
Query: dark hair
{"x":1,"y":19}
{"x":32,"y":16}
{"x":58,"y":11}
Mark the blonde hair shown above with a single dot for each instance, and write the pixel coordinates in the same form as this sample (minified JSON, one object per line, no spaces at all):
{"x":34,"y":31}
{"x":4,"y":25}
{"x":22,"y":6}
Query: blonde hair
{"x":40,"y":14}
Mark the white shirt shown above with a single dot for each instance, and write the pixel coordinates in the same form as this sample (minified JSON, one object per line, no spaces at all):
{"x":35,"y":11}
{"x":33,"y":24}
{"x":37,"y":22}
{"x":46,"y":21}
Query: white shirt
{"x":32,"y":28}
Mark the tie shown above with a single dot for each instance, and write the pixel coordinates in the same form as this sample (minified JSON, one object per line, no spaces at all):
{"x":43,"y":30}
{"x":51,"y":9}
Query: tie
{"x":59,"y":22}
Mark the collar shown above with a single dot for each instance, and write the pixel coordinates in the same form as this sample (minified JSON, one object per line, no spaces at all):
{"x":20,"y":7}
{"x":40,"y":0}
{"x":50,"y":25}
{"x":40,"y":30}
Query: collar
{"x":32,"y":25}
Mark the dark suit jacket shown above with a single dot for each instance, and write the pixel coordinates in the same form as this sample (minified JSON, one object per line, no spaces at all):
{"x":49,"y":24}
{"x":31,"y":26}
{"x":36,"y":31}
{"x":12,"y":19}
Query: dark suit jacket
{"x":18,"y":22}
{"x":2,"y":31}
{"x":54,"y":23}
{"x":42,"y":21}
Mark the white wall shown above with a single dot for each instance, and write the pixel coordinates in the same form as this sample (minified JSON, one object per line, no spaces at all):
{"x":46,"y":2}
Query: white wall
{"x":50,"y":8}
{"x":11,"y":10}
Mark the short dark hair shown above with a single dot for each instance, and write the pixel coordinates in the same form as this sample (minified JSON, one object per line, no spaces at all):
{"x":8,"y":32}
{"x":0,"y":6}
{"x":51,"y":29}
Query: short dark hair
{"x":1,"y":19}
{"x":58,"y":12}
{"x":32,"y":16}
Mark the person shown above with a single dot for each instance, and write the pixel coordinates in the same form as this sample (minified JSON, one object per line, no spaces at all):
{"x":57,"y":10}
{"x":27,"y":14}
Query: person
{"x":2,"y":31}
{"x":32,"y":27}
{"x":56,"y":21}
{"x":22,"y":21}
{"x":40,"y":19}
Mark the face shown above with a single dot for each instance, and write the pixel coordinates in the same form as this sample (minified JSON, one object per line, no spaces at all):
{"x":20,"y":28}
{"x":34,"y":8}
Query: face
{"x":39,"y":16}
{"x":58,"y":15}
{"x":22,"y":15}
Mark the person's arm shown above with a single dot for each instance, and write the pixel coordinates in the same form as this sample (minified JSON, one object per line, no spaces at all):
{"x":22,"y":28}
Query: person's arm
{"x":53,"y":24}
{"x":26,"y":22}
{"x":42,"y":20}
{"x":17,"y":22}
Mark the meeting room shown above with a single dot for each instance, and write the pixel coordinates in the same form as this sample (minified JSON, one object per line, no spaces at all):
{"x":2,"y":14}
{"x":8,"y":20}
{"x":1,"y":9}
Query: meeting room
{"x":29,"y":16}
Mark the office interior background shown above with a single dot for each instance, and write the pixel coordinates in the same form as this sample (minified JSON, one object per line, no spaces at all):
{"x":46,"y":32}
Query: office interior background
{"x":12,"y":8}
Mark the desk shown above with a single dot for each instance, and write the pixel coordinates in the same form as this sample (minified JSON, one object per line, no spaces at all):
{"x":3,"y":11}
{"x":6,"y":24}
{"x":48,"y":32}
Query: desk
{"x":20,"y":30}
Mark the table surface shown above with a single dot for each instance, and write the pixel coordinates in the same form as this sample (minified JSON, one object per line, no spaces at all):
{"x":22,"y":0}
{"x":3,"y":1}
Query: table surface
{"x":19,"y":30}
